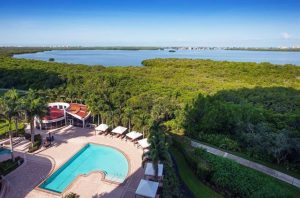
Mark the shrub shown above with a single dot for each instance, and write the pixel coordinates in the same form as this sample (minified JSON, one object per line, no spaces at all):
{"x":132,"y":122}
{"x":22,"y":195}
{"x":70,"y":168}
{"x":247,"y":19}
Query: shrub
{"x":237,"y":179}
{"x":229,"y":177}
{"x":8,"y":165}
{"x":219,"y":140}
{"x":37,"y":143}
{"x":171,"y":185}
{"x":71,"y":195}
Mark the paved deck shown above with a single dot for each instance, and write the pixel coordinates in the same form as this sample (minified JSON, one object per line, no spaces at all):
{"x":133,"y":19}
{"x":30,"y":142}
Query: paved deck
{"x":37,"y":167}
{"x":261,"y":168}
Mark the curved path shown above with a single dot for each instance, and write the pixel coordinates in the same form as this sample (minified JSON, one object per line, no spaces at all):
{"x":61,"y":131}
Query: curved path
{"x":261,"y":168}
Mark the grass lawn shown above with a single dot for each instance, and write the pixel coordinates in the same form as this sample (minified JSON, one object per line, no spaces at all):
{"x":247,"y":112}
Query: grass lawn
{"x":192,"y":182}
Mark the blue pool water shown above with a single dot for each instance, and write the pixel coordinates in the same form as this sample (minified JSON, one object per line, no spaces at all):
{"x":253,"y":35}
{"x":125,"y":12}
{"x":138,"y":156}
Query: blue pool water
{"x":92,"y":157}
{"x":4,"y":151}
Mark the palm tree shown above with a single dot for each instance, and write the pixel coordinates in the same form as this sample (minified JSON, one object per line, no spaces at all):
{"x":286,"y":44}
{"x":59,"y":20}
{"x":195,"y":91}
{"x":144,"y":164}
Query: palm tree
{"x":92,"y":106}
{"x":129,"y":114}
{"x":10,"y":111}
{"x":33,"y":106}
{"x":158,"y":146}
{"x":141,"y":120}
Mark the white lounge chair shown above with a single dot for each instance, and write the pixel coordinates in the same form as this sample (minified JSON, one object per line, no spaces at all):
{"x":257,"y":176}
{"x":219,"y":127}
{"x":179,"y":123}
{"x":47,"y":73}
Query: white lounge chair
{"x":133,"y":135}
{"x":119,"y":131}
{"x":144,"y":143}
{"x":102,"y":128}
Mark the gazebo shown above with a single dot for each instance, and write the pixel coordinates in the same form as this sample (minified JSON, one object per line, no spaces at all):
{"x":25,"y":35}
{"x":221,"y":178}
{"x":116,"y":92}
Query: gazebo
{"x":147,"y":188}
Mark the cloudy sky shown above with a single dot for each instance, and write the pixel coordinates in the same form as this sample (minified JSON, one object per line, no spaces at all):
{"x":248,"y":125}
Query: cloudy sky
{"x":251,"y":23}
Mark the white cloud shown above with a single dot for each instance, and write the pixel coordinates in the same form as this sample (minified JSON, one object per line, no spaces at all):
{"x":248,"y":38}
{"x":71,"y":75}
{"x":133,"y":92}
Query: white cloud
{"x":286,"y":35}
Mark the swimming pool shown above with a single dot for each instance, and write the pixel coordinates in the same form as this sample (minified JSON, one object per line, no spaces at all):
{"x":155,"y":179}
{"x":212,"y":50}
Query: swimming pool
{"x":91,"y":157}
{"x":4,"y":151}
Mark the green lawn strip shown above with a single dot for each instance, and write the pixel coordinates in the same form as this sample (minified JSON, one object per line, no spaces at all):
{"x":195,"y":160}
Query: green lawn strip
{"x":245,"y":156}
{"x":192,"y":182}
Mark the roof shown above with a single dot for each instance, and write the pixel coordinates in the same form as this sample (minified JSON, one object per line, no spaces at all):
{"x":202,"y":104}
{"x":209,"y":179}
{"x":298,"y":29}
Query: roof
{"x":78,"y":110}
{"x":134,"y":135}
{"x":102,"y":127}
{"x":54,"y":113}
{"x":119,"y":130}
{"x":149,"y":170}
{"x":147,"y":188}
{"x":144,"y":143}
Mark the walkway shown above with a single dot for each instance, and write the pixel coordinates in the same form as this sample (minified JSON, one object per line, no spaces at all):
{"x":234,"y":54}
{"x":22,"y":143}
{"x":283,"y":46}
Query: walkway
{"x":269,"y":171}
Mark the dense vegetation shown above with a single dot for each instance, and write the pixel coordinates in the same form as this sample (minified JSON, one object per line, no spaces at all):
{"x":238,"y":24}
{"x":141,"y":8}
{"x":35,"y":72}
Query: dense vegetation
{"x":262,"y":122}
{"x":231,"y":178}
{"x":4,"y":126}
{"x":245,"y":107}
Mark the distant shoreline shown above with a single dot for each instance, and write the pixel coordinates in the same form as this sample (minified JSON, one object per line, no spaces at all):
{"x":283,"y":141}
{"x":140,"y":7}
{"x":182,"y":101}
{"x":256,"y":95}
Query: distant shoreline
{"x":266,"y":49}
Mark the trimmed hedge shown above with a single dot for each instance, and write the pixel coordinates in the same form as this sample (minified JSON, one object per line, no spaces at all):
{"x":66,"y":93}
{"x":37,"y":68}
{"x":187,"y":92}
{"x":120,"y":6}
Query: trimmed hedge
{"x":229,"y":177}
{"x":37,"y":143}
{"x":8,"y":165}
{"x":171,"y":185}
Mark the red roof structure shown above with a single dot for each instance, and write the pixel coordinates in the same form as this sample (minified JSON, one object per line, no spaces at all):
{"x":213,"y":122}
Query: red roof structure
{"x":54,"y":113}
{"x":78,"y":109}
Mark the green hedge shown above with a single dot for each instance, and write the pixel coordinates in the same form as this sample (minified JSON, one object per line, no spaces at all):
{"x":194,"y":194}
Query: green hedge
{"x":37,"y":143}
{"x":8,"y":165}
{"x":171,"y":185}
{"x":231,"y":178}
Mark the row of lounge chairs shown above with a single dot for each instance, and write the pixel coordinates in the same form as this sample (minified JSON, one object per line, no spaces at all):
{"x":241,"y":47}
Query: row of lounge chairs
{"x":122,"y":132}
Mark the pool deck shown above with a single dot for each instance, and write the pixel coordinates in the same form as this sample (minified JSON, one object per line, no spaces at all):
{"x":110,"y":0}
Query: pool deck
{"x":24,"y":181}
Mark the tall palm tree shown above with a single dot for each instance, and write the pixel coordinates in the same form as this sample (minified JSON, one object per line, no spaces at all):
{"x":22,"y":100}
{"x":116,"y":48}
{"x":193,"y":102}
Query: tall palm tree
{"x":10,"y":111}
{"x":33,"y":106}
{"x":102,"y":109}
{"x":141,"y":120}
{"x":129,"y":114}
{"x":92,"y":106}
{"x":158,"y":146}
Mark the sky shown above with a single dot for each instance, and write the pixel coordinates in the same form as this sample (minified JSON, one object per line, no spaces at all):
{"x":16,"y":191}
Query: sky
{"x":220,"y":23}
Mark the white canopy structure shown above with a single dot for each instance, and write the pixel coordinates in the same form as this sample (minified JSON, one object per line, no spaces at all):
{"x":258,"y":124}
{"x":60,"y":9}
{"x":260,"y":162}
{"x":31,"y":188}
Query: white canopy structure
{"x":133,"y":135}
{"x":147,"y":188}
{"x":102,"y":127}
{"x":119,"y":130}
{"x":144,"y":143}
{"x":149,"y":170}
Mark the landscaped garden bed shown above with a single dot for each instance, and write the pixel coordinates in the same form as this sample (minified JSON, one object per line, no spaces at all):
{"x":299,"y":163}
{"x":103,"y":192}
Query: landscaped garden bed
{"x":10,"y":165}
